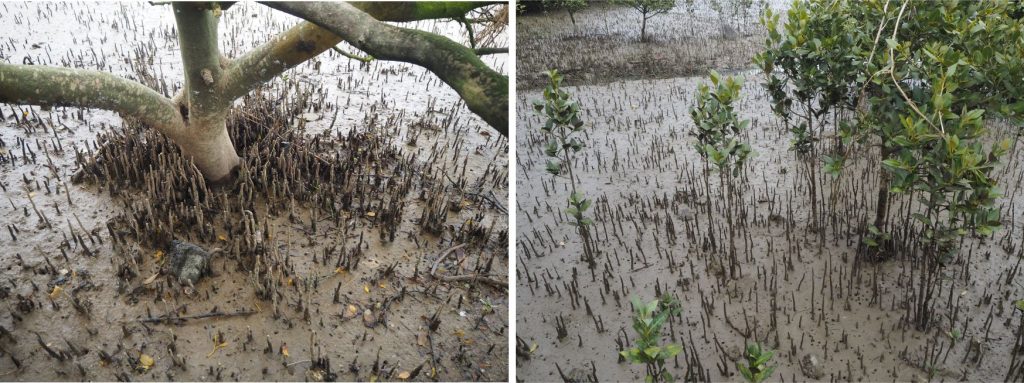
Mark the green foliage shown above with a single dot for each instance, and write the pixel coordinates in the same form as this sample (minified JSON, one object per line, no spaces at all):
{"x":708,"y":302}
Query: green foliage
{"x":1020,"y":305}
{"x":718,"y":125}
{"x":875,"y":237}
{"x":646,"y":7}
{"x":562,"y":121}
{"x":647,"y":322}
{"x":922,"y":91}
{"x":570,"y":6}
{"x":756,"y":370}
{"x":561,"y":127}
{"x":647,"y":10}
{"x":577,"y":206}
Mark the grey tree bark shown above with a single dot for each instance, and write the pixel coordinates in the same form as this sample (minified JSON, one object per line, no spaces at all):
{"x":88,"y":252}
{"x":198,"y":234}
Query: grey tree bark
{"x":195,"y":119}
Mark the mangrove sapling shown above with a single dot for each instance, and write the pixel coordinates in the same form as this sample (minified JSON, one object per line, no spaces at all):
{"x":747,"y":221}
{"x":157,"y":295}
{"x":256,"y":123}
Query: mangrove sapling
{"x":826,"y":58}
{"x":756,"y":370}
{"x":717,"y":131}
{"x":570,"y":7}
{"x":561,"y":127}
{"x":647,"y":321}
{"x":941,"y":158}
{"x":647,"y":10}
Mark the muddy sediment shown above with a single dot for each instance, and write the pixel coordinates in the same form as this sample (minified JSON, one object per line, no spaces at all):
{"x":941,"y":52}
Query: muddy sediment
{"x":805,"y":285}
{"x":355,"y":179}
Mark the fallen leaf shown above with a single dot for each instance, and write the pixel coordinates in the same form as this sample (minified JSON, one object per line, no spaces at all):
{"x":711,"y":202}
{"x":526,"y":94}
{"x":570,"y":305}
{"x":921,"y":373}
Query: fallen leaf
{"x":383,"y":285}
{"x":145,"y":362}
{"x":222,"y":237}
{"x":150,"y":279}
{"x":350,"y":312}
{"x":56,"y":292}
{"x":404,"y":375}
{"x":366,"y":288}
{"x":339,"y":270}
{"x":284,"y":350}
{"x":371,"y":214}
{"x":422,"y":340}
{"x":369,"y":319}
{"x":291,"y":281}
{"x":159,"y":255}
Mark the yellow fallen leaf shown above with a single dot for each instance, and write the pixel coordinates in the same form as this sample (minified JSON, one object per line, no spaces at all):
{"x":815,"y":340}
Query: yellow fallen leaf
{"x":222,"y":237}
{"x":159,"y":255}
{"x":291,"y":281}
{"x":339,"y":270}
{"x":366,"y":288}
{"x":145,"y":362}
{"x":404,"y":375}
{"x":383,"y":285}
{"x":371,"y":214}
{"x":284,"y":350}
{"x":56,"y":292}
{"x":350,"y":312}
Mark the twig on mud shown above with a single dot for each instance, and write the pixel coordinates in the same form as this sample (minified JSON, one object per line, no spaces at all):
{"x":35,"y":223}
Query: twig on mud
{"x":462,"y":278}
{"x":297,"y":362}
{"x":474,"y":278}
{"x":433,"y":269}
{"x":490,"y":198}
{"x":215,"y":314}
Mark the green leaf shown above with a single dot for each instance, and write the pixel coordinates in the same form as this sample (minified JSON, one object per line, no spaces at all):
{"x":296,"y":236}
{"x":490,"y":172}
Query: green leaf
{"x":652,"y":351}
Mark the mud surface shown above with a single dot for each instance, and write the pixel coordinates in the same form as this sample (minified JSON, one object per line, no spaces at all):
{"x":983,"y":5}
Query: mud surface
{"x":603,"y":46}
{"x":303,"y":284}
{"x":829,"y":311}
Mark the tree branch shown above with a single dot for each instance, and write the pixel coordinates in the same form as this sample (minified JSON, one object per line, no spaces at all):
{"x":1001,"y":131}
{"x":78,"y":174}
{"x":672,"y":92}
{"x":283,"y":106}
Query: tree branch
{"x":283,"y":52}
{"x":490,"y":51}
{"x":484,"y":90}
{"x":50,"y":86}
{"x":404,"y":11}
{"x":200,"y":56}
{"x":364,"y":59}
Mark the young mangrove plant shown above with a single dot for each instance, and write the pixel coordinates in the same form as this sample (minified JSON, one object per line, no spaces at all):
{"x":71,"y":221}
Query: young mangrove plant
{"x":918,"y":86}
{"x":561,"y":128}
{"x":647,"y":321}
{"x":756,"y":370}
{"x":718,"y":129}
{"x":877,"y":76}
{"x":647,"y":10}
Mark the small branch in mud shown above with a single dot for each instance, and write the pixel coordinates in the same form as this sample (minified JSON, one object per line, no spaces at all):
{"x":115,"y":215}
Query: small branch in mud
{"x":214,"y":314}
{"x":474,"y":278}
{"x":433,"y":269}
{"x":462,"y":278}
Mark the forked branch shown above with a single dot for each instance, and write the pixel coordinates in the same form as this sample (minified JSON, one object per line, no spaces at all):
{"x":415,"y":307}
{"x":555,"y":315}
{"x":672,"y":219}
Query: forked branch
{"x":484,"y":90}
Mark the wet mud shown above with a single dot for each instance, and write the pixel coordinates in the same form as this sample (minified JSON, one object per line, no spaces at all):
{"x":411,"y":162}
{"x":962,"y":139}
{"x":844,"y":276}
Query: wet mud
{"x":804,"y":286}
{"x":364,"y":237}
